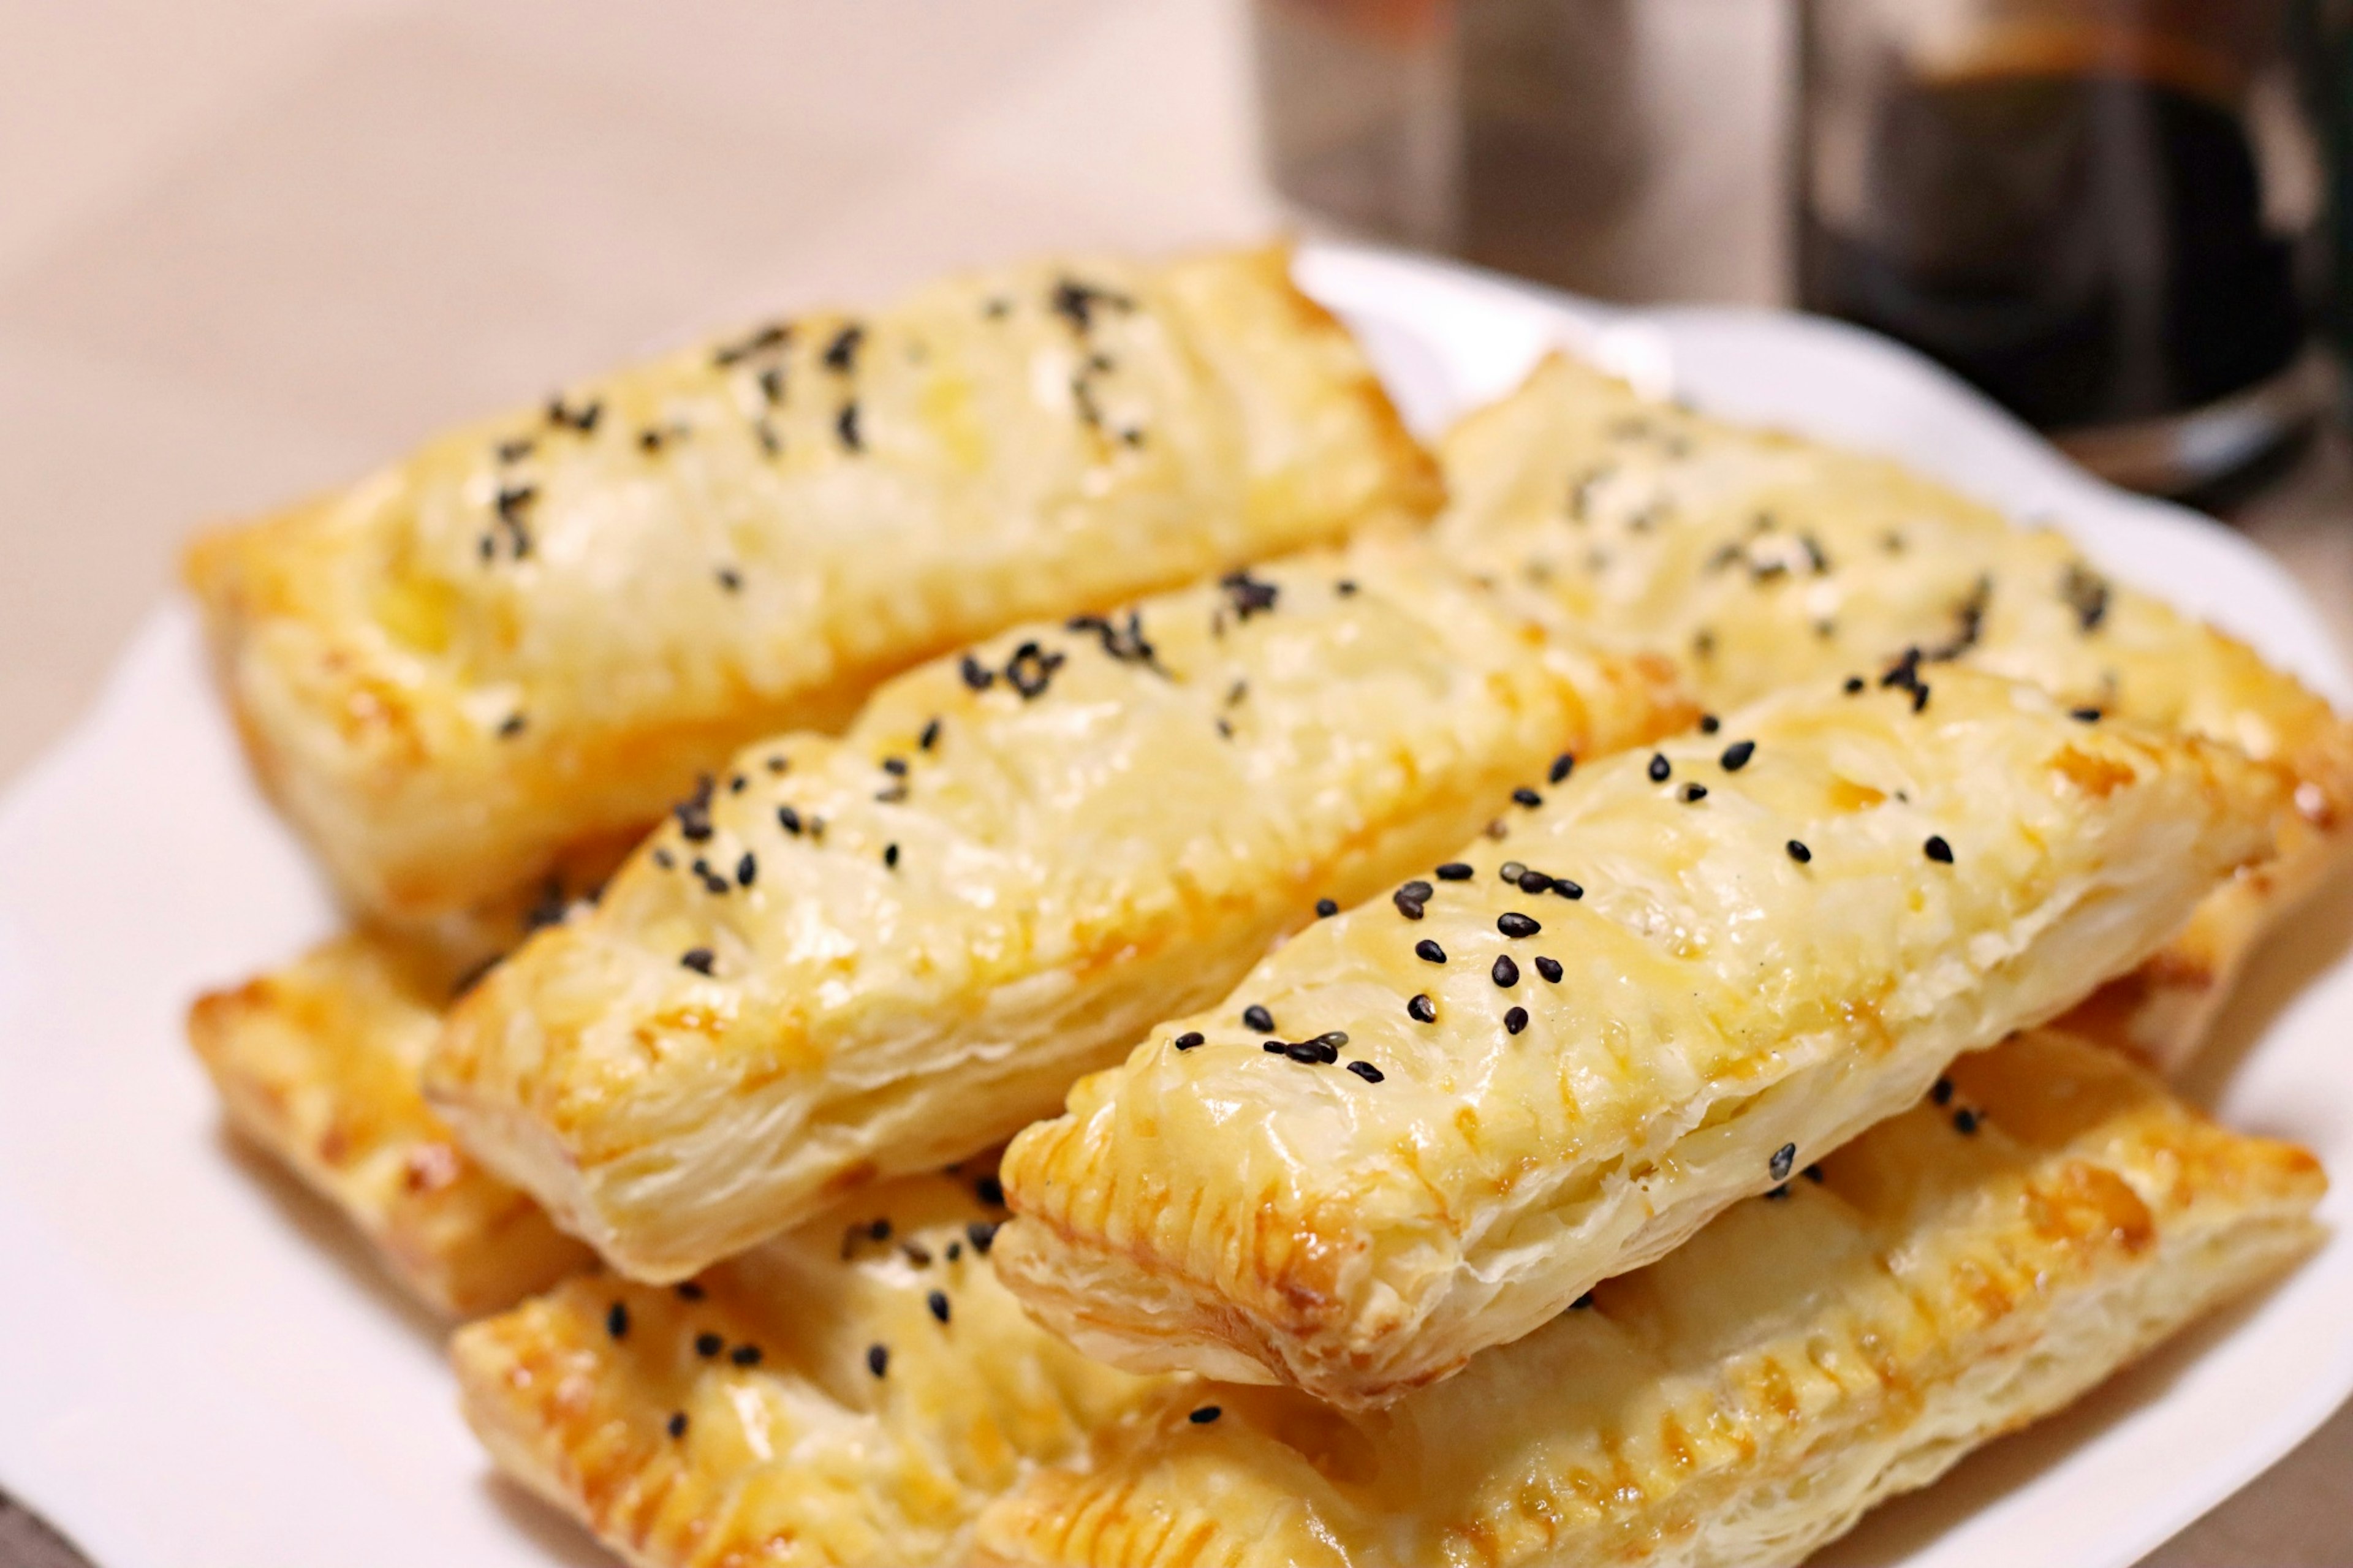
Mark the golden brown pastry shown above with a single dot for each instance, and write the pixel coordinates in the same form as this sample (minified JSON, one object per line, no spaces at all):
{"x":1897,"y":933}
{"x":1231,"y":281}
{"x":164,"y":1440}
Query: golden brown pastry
{"x":853,"y":958}
{"x":1427,"y":1126}
{"x":1975,"y":1263}
{"x":535,"y":630}
{"x":848,"y":1394}
{"x":1762,"y":560}
{"x":317,"y":1063}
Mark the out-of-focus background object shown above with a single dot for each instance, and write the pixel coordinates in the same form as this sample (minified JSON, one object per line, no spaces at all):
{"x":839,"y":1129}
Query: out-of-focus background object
{"x":2103,"y":212}
{"x":249,"y":247}
{"x":1551,"y":137}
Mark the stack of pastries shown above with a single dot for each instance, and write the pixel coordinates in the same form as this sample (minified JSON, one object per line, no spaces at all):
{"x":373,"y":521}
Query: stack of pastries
{"x":1011,"y":929}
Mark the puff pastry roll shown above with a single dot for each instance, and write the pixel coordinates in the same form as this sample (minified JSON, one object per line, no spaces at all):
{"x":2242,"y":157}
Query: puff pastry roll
{"x":317,"y":1064}
{"x":854,"y":958}
{"x":1954,"y":1273}
{"x":537,"y":629}
{"x":1429,"y":1125}
{"x":848,"y":1394}
{"x":1763,"y":560}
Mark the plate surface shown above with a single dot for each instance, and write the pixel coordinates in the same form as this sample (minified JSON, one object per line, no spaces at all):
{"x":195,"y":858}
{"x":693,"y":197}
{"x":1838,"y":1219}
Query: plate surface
{"x":199,"y":1370}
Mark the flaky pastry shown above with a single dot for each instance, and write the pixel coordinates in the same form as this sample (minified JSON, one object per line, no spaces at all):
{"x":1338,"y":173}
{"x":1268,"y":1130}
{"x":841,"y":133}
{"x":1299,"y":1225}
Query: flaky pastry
{"x":1975,"y":1263}
{"x":1761,"y":560}
{"x":535,"y":630}
{"x":1427,"y":1126}
{"x":852,"y":958}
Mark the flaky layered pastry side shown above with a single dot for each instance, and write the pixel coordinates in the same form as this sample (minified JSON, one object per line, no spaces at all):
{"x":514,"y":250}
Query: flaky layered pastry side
{"x":536,"y":629}
{"x":1759,"y":560}
{"x":849,"y":959}
{"x":1427,"y":1126}
{"x":851,"y":1393}
{"x":2045,"y":1215}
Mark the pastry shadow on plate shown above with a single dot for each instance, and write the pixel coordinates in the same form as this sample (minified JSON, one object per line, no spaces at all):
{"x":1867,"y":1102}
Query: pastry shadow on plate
{"x":1894,"y":1531}
{"x":549,"y":1529}
{"x":327,"y":1230}
{"x":2304,"y":947}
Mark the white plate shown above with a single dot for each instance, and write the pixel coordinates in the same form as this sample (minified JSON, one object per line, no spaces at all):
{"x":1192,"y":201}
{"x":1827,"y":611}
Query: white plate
{"x":197,"y":1367}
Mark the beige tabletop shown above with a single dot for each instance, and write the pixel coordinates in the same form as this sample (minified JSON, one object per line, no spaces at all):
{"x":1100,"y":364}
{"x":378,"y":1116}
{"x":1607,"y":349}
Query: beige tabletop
{"x":249,"y":245}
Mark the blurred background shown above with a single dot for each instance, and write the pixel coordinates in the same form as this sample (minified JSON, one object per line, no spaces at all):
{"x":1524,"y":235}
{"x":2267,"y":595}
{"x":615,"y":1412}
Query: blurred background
{"x":248,"y":247}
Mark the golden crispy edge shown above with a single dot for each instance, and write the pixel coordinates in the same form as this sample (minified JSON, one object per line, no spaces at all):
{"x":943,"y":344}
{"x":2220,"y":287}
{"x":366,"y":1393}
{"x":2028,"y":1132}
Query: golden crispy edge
{"x":2132,"y":1215}
{"x":316,"y":1064}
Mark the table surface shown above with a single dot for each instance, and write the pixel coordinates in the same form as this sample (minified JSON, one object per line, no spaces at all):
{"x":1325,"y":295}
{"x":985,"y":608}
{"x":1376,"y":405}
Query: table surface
{"x":249,"y":247}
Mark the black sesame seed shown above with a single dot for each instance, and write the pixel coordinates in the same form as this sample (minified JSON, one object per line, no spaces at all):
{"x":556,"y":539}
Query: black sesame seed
{"x":1273,"y":1048}
{"x":688,"y":1290}
{"x":1799,"y":853}
{"x":1421,"y":1010}
{"x":1189,"y":1040}
{"x":1205,"y":1415}
{"x":745,"y":1355}
{"x":2086,"y":715}
{"x":789,"y":820}
{"x":699,"y":959}
{"x":1854,"y":685}
{"x":731,"y":579}
{"x":1429,"y":952}
{"x":977,"y":675}
{"x":982,"y":1234}
{"x":878,"y":1360}
{"x":1783,"y":1161}
{"x":918,"y":1256}
{"x":1410,"y":907}
{"x":929,"y":737}
{"x":896,"y":766}
{"x":678,"y":1424}
{"x":1514,"y":923}
{"x":1943,"y":1091}
{"x":1512,"y":870}
{"x":1735,"y":755}
{"x":1506,"y":974}
{"x":990,"y":1191}
{"x":1561,"y":767}
{"x":708,"y":1345}
{"x":1367,"y":1071}
{"x":1325,"y":908}
{"x":1256,"y":1017}
{"x":956,"y":1251}
{"x":890,"y":856}
{"x":1454,"y":871}
{"x":1345,"y":588}
{"x":879,"y":1230}
{"x":617,"y":1319}
{"x":1317,"y":1052}
{"x":1550,"y":969}
{"x":1964,"y":1120}
{"x":1534,"y":882}
{"x":746,"y":869}
{"x":938,"y":1303}
{"x":1526,"y":796}
{"x":1417,"y":891}
{"x":1516,"y":1020}
{"x":1660,"y":767}
{"x":779,"y":763}
{"x":1936,"y":850}
{"x":512,"y":726}
{"x":1567,"y":888}
{"x":1709,"y":723}
{"x":1812,"y":1173}
{"x":1694,"y":792}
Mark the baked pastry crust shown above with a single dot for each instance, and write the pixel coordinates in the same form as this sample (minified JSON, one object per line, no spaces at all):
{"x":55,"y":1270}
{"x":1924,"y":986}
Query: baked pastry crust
{"x":1763,"y":560}
{"x":817,"y":1452}
{"x":1744,"y":1400}
{"x":427,"y":665}
{"x":317,"y":1064}
{"x":1730,"y":955}
{"x":856,"y":958}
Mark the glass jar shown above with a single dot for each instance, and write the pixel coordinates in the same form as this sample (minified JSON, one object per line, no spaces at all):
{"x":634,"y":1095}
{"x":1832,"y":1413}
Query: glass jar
{"x":2101,"y":212}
